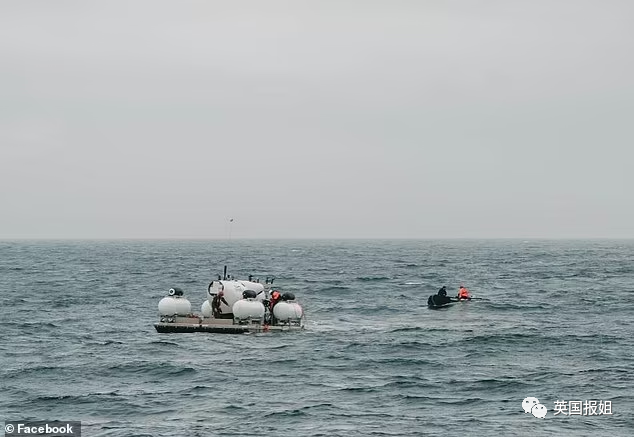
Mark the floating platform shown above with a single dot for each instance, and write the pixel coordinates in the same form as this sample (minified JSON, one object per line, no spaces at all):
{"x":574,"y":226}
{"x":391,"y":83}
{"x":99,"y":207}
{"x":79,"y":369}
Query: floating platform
{"x":220,"y":326}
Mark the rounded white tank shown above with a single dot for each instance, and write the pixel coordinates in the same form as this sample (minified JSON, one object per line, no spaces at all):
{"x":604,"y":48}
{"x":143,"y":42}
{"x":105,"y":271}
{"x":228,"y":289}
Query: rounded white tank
{"x":205,"y":309}
{"x":174,"y":305}
{"x":288,"y":311}
{"x":245,"y":309}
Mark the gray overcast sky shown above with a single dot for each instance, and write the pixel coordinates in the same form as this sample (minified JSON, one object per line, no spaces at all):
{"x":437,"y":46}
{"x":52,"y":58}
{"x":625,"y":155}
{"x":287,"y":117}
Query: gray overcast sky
{"x":305,"y":119}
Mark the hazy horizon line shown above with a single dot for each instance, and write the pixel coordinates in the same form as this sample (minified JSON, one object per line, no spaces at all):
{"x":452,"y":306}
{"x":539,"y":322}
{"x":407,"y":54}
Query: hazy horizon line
{"x":224,"y":239}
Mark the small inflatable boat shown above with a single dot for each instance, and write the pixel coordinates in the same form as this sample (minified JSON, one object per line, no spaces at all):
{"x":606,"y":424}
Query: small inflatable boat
{"x":435,"y":304}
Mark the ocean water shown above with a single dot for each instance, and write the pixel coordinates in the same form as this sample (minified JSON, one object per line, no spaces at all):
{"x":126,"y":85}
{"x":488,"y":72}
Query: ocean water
{"x":556,"y":322}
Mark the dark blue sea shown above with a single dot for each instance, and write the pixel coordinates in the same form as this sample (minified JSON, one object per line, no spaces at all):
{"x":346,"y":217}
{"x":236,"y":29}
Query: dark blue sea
{"x":556,"y":322}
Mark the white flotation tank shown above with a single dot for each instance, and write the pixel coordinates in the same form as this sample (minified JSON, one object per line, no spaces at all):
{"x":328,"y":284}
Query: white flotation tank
{"x":248,"y":309}
{"x":174,"y":305}
{"x":284,"y":311}
{"x":205,"y":309}
{"x":232,"y":292}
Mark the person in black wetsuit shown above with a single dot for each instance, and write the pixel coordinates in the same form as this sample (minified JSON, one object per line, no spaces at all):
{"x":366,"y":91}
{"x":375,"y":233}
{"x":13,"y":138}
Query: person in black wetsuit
{"x":439,"y":299}
{"x":215,"y":304}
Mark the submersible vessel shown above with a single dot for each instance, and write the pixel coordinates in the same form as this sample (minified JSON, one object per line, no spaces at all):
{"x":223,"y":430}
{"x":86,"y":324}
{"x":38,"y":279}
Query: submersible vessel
{"x":232,"y":306}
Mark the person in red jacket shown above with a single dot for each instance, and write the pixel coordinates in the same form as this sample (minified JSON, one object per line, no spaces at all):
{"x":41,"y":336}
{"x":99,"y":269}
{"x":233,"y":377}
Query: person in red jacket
{"x":275,"y":298}
{"x":463,"y":293}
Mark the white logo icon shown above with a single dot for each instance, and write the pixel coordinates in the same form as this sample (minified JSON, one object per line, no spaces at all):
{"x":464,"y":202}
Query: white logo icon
{"x":532,"y":405}
{"x":539,"y":411}
{"x":529,"y":403}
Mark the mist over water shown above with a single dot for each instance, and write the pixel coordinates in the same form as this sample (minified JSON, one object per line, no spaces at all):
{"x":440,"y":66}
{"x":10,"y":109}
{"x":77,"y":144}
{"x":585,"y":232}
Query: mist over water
{"x":556,"y":323}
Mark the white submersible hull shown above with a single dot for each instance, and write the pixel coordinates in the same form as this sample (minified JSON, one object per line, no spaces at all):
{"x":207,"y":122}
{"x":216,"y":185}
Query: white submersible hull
{"x":232,"y":307}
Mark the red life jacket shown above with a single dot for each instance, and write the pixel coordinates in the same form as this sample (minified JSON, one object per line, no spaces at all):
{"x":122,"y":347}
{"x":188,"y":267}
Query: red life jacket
{"x":463,"y":293}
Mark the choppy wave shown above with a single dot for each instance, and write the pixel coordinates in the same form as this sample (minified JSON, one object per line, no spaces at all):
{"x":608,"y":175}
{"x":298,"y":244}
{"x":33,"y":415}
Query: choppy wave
{"x":374,"y":361}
